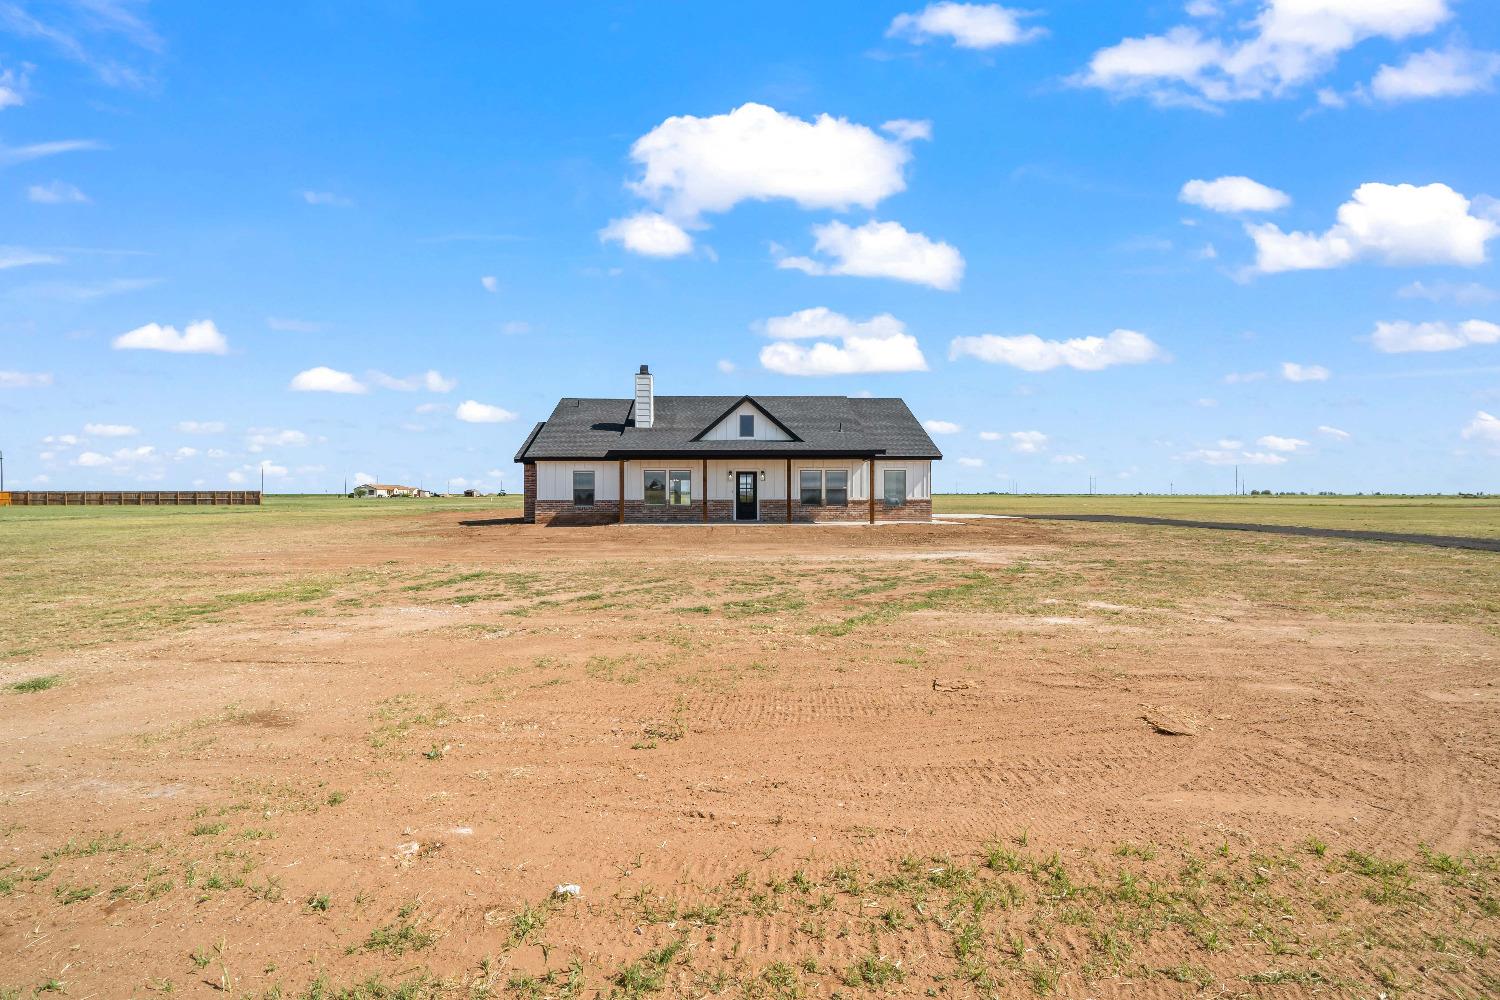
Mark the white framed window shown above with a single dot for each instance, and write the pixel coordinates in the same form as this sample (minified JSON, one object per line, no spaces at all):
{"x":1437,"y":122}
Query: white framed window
{"x":679,"y":488}
{"x":810,"y":483}
{"x":747,"y":425}
{"x":654,"y":488}
{"x":836,"y":487}
{"x":895,"y":487}
{"x":583,"y":489}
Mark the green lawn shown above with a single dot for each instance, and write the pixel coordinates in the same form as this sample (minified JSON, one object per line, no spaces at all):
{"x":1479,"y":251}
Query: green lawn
{"x":1478,"y":517}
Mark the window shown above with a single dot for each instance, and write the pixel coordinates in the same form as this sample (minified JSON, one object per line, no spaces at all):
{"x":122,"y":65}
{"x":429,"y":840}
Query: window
{"x":583,"y":489}
{"x":680,"y":489}
{"x":655,"y":491}
{"x":812,"y":487}
{"x":838,"y":488}
{"x":895,"y":487}
{"x":747,"y":425}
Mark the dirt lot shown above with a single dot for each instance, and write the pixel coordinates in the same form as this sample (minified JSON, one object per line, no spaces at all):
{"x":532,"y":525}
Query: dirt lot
{"x":777,"y":761}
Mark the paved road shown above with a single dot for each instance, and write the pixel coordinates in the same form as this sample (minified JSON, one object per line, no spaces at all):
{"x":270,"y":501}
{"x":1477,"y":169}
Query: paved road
{"x":1441,"y":541}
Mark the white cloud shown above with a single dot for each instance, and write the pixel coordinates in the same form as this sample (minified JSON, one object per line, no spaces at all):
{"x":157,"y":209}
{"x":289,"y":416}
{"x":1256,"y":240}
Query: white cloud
{"x":261,"y":438}
{"x":971,"y":463}
{"x":649,"y":234}
{"x":1294,"y":372}
{"x":1271,"y":442}
{"x":1288,"y":44}
{"x":515,"y":327}
{"x":1451,"y":72}
{"x":431,"y":381}
{"x":11,"y":155}
{"x":879,"y":344}
{"x":119,"y":460}
{"x":184,"y":452}
{"x":1238,"y":378}
{"x":323,"y":379}
{"x":1465,"y":293}
{"x":1031,"y":353}
{"x":201,"y":426}
{"x":284,"y":325}
{"x":1485,"y":427}
{"x":110,"y":430}
{"x":66,"y":440}
{"x":1401,"y":337}
{"x":1232,"y":195}
{"x":216,"y":453}
{"x":941,"y":426}
{"x":908,"y":129}
{"x":991,"y":436}
{"x":692,"y":166}
{"x":881,"y":250}
{"x":968,"y":25}
{"x":429,"y":408}
{"x":25,"y":380}
{"x":1069,"y":459}
{"x":21,"y":257}
{"x":270,"y":469}
{"x":1218,"y":456}
{"x":326,"y":198}
{"x":1230,"y":443}
{"x":201,"y":337}
{"x":361,"y":478}
{"x":490,"y":283}
{"x":1334,"y":433}
{"x":1389,"y":223}
{"x":472,"y":412}
{"x":1027,"y":442}
{"x":236,"y":477}
{"x":56,"y":193}
{"x":726,"y":366}
{"x":13,"y":87}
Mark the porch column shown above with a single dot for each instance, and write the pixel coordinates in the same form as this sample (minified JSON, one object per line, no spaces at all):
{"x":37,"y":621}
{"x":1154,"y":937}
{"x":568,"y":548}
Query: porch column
{"x":872,"y":491}
{"x":705,"y":491}
{"x":789,"y":491}
{"x":622,"y":491}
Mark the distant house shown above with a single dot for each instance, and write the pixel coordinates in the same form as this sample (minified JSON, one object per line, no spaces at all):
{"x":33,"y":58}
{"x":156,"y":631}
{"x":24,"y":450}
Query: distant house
{"x":389,"y":490}
{"x":727,"y":458}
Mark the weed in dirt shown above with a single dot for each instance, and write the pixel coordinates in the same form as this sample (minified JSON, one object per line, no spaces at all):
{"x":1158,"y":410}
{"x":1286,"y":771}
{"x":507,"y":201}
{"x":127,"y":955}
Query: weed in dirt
{"x":401,"y":935}
{"x":34,"y":684}
{"x":209,"y":829}
{"x":873,"y":970}
{"x":648,"y":974}
{"x":67,"y":895}
{"x":319,"y":902}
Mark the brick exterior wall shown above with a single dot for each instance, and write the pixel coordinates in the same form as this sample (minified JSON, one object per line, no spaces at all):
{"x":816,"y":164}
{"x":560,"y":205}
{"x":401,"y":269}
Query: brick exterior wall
{"x":563,"y":512}
{"x":912,"y":510}
{"x":528,"y":506}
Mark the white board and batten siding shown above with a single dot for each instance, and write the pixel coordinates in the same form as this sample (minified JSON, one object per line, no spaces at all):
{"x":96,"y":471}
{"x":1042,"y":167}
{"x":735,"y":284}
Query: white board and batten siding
{"x":728,"y":429}
{"x":554,"y":480}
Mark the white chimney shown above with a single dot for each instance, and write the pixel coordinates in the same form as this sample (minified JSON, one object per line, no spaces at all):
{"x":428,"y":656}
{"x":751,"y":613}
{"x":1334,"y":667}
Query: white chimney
{"x":645,"y":398}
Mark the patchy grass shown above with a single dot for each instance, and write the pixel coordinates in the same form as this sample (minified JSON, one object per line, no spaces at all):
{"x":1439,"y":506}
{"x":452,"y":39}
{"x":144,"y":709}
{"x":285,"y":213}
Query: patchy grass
{"x":34,"y":684}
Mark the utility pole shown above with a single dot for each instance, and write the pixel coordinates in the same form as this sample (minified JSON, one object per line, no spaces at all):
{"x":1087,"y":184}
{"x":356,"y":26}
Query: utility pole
{"x":1236,"y":480}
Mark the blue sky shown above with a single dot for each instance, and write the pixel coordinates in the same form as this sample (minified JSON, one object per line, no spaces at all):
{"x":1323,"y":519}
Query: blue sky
{"x":1081,"y":239}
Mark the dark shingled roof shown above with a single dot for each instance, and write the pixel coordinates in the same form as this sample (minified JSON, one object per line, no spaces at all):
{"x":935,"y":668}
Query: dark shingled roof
{"x":828,"y":426}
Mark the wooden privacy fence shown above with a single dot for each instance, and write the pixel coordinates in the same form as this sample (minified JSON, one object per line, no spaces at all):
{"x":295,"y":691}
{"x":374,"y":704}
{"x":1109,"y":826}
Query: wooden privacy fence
{"x":128,"y":498}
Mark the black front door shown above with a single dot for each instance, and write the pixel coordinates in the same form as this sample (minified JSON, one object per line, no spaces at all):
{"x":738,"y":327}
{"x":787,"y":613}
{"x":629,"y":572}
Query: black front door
{"x":745,"y":507}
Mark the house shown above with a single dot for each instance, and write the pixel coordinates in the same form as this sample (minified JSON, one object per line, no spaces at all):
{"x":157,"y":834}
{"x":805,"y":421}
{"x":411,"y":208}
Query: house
{"x":389,"y":490}
{"x":727,"y":458}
